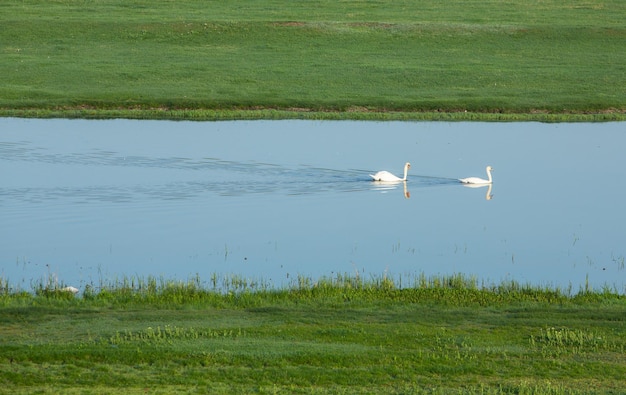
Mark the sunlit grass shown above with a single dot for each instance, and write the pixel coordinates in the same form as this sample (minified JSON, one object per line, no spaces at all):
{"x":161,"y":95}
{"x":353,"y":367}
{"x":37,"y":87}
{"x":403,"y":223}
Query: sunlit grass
{"x":338,"y":334}
{"x":346,"y":60}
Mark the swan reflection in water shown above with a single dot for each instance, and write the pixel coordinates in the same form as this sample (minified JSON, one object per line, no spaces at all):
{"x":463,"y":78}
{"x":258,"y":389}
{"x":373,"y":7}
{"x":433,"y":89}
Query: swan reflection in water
{"x":476,"y":182}
{"x":385,"y":186}
{"x":488,"y":195}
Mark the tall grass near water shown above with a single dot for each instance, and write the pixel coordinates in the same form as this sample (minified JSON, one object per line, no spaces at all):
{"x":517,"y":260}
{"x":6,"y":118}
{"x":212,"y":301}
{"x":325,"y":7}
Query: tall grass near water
{"x":239,"y":291}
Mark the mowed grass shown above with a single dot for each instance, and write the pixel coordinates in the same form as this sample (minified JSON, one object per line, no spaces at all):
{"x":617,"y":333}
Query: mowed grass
{"x":327,"y":56}
{"x":439,"y":335}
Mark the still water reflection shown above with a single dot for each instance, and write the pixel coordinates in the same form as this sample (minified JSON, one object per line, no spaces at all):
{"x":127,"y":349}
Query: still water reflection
{"x":93,"y":200}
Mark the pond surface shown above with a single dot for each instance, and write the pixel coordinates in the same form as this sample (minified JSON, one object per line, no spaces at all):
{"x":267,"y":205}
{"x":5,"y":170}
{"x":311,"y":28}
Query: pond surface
{"x":87,"y":201}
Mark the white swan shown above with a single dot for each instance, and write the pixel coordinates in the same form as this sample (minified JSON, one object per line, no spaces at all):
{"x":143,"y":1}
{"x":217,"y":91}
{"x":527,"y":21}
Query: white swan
{"x":477,"y":180}
{"x":388,"y":177}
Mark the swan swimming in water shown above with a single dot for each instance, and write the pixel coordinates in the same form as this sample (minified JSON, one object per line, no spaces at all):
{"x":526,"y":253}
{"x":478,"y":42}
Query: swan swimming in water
{"x":388,"y":177}
{"x":477,"y":180}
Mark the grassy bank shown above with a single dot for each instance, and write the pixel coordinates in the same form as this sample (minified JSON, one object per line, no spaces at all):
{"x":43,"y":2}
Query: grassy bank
{"x":336,"y":335}
{"x":278,"y":114}
{"x":361,"y":59}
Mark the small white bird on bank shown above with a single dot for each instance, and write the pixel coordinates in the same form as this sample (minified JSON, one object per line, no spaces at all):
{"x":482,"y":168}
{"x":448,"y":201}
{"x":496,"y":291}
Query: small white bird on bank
{"x":477,"y":180}
{"x":70,"y":289}
{"x":385,"y":176}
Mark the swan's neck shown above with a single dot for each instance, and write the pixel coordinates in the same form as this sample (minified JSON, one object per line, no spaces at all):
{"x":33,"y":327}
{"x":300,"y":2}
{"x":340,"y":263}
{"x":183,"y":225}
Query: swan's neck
{"x":489,"y":175}
{"x":406,"y":171}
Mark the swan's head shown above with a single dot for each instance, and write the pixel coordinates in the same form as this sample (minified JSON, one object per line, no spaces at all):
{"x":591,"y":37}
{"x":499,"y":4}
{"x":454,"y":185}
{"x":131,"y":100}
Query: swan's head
{"x":489,"y":168}
{"x":407,"y":165}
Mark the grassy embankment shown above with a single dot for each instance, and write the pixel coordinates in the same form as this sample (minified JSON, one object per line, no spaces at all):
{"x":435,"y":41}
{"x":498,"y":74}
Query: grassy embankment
{"x":435,"y":335}
{"x":516,"y":60}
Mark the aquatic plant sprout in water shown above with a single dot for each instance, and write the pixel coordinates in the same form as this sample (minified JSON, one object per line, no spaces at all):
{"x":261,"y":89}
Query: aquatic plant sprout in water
{"x":85,"y":200}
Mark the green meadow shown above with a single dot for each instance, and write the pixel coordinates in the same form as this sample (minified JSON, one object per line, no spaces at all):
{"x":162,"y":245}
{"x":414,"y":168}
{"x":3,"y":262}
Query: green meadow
{"x":335,"y":335}
{"x":407,"y":59}
{"x":492,"y":60}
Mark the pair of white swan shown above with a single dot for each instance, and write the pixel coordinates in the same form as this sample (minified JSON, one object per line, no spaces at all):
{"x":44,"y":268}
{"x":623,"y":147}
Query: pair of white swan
{"x":385,"y":176}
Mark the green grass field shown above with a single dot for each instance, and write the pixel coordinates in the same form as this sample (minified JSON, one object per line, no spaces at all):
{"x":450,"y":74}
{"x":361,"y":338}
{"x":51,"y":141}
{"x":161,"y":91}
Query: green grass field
{"x":439,"y":335}
{"x":275,"y":59}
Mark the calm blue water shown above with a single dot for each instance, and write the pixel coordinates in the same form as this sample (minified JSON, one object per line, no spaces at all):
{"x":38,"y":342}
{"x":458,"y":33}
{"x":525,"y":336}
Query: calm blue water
{"x":85,"y":201}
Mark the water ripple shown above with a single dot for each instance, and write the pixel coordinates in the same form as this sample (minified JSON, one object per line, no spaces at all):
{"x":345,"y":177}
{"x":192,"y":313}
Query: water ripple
{"x":208,"y":175}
